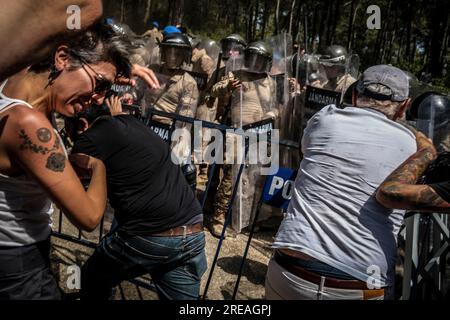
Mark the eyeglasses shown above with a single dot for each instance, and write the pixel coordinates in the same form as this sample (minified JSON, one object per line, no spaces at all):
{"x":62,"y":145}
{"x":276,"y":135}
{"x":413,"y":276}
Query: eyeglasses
{"x":102,"y":85}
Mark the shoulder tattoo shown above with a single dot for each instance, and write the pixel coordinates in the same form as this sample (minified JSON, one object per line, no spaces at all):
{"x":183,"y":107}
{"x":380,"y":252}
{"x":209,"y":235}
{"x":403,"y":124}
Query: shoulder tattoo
{"x":44,"y":135}
{"x":56,"y":161}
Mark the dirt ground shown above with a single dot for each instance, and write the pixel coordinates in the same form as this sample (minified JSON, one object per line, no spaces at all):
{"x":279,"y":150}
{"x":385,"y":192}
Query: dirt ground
{"x":66,"y":254}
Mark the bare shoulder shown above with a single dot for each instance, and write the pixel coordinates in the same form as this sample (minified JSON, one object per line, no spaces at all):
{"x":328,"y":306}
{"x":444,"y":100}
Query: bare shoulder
{"x":23,"y":115}
{"x":22,"y":122}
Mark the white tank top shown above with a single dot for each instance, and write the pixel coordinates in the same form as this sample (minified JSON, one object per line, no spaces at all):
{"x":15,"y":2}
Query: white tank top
{"x":25,"y":208}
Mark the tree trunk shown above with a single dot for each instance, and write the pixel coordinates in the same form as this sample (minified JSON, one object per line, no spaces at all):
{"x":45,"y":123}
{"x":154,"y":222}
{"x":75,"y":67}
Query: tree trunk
{"x":122,"y":11}
{"x":354,"y":10}
{"x":335,"y":19}
{"x":147,"y":12}
{"x":265,"y":16}
{"x":236,"y":18}
{"x":411,"y":5}
{"x":277,"y":18}
{"x":291,"y":18}
{"x":350,"y":24}
{"x":437,"y":16}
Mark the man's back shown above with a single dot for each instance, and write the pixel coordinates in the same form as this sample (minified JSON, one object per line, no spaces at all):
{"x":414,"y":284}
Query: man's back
{"x":148,"y":192}
{"x":334,"y":216}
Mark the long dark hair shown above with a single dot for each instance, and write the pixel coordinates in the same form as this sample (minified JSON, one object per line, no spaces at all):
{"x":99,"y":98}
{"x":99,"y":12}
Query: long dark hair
{"x":98,"y":44}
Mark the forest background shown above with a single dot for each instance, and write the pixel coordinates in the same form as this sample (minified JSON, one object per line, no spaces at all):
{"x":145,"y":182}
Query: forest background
{"x":414,"y":34}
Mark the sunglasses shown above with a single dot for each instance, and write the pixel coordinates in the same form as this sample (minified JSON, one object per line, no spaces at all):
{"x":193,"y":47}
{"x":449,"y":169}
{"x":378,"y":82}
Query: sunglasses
{"x":102,"y":85}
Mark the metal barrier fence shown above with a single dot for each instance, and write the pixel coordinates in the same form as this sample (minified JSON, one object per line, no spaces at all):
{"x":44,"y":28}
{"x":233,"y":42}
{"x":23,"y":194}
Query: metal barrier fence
{"x":427,"y":236}
{"x":426,"y":272}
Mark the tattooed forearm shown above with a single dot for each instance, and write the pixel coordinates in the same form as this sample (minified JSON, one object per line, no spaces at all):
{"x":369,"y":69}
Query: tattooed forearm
{"x":57,"y":160}
{"x":412,"y":169}
{"x":412,"y":197}
{"x":400,"y":191}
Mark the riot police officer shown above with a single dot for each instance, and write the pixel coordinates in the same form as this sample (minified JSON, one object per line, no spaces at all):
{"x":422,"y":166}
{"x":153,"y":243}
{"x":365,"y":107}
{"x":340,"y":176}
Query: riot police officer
{"x":218,"y":102}
{"x":334,"y":60}
{"x":179,"y":93}
{"x":253,"y":98}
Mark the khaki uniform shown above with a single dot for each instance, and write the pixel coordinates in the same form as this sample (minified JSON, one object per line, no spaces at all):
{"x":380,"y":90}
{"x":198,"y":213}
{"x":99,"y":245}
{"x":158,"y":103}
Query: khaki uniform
{"x":206,"y":111}
{"x":258,"y":103}
{"x":154,"y":34}
{"x":178,"y":95}
{"x":217,"y":106}
{"x":341,"y":85}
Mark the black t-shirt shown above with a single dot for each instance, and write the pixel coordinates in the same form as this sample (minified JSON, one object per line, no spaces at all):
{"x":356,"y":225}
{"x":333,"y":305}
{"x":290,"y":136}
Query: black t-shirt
{"x":148,"y":192}
{"x":442,"y":189}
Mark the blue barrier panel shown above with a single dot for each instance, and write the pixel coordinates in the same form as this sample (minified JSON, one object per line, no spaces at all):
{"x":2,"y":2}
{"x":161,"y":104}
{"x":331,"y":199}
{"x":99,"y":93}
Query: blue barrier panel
{"x":279,"y":187}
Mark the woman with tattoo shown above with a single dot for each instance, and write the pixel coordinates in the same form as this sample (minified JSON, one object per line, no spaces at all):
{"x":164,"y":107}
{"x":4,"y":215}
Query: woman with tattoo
{"x":34,"y":167}
{"x":400,"y":190}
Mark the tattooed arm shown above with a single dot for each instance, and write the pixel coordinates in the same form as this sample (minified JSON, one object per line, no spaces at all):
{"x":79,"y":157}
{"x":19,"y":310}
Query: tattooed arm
{"x":33,"y":146}
{"x":400,"y":191}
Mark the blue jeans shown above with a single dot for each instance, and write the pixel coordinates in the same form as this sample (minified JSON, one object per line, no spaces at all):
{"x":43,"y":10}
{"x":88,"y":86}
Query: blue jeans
{"x":176,"y":265}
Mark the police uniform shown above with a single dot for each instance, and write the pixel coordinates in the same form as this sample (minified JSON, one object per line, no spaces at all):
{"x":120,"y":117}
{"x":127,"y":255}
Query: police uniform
{"x":257,"y":104}
{"x":180,"y":96}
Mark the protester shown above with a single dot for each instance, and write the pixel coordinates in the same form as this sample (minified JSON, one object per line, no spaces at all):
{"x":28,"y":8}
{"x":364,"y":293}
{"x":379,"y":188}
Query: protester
{"x":337,"y":241}
{"x":159,"y":219}
{"x":422,"y":182}
{"x":34,"y":161}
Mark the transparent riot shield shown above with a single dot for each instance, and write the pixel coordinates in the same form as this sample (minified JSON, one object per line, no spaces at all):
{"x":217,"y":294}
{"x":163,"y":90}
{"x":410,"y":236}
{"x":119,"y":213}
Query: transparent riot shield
{"x":281,"y":46}
{"x":178,"y":95}
{"x":204,"y":62}
{"x":152,"y":47}
{"x":211,"y":47}
{"x":433,"y":119}
{"x":290,"y":70}
{"x":253,"y":99}
{"x":328,"y":82}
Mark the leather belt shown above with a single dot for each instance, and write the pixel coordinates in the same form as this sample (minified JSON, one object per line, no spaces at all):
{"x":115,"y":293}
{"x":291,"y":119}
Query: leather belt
{"x":180,"y":231}
{"x":317,"y":278}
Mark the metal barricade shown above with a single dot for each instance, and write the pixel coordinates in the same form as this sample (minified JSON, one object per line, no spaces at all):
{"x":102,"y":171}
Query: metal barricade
{"x":426,"y":274}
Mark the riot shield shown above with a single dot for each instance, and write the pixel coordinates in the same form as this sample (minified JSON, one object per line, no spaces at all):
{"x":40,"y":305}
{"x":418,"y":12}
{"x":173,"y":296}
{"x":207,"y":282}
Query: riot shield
{"x":178,"y":95}
{"x":281,"y":46}
{"x":328,"y":82}
{"x":252,"y":101}
{"x":433,"y":119}
{"x":211,"y":47}
{"x":153,"y":48}
{"x":204,"y":62}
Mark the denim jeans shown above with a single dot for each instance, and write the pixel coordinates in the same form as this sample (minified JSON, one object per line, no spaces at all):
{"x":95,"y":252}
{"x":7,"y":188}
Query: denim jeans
{"x":176,"y":265}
